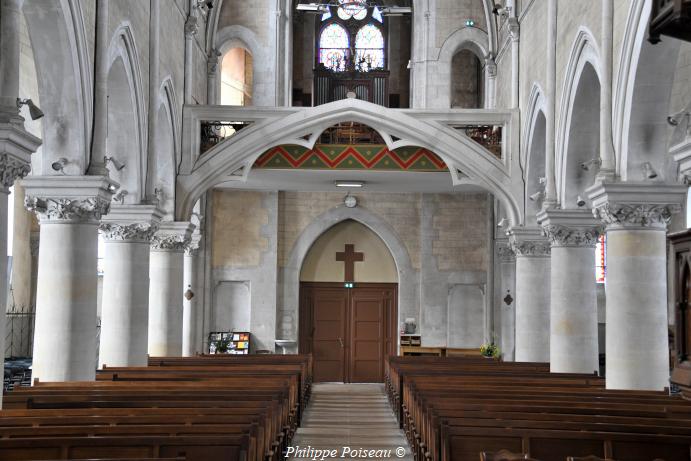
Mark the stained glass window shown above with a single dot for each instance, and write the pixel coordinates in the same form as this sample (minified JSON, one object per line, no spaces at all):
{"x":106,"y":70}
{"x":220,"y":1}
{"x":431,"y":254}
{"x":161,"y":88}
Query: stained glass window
{"x":376,"y":14}
{"x":601,"y":260}
{"x":369,"y":46}
{"x":333,"y":46}
{"x":356,"y":9}
{"x":326,"y":15}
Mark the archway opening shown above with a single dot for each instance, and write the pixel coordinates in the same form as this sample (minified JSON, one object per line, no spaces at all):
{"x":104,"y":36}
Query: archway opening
{"x":467,"y":86}
{"x":348,"y":304}
{"x":237,"y":76}
{"x":583,"y":139}
{"x":535,"y":186}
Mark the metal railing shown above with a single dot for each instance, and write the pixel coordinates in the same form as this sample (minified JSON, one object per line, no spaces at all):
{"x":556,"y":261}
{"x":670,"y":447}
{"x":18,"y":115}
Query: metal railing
{"x":19,"y":331}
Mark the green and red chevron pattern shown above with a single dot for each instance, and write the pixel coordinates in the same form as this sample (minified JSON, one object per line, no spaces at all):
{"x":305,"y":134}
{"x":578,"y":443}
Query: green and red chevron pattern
{"x":350,"y":157}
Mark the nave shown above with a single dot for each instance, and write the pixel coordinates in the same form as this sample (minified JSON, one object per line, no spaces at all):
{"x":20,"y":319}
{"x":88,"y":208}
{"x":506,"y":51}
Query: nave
{"x":265,"y":408}
{"x":356,"y":416}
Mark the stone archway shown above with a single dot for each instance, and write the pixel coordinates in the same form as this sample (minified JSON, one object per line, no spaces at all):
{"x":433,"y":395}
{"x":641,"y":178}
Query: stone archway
{"x":288,"y":302}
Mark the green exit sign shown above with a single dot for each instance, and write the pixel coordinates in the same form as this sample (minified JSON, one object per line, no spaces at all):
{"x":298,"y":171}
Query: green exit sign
{"x":349,"y":285}
{"x":469,"y":23}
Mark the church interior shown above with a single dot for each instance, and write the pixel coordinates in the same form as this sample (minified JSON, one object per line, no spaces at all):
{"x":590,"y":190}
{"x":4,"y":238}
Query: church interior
{"x":430,"y":230}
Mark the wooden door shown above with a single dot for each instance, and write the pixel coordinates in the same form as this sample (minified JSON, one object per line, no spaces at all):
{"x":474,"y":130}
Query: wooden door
{"x":349,"y":331}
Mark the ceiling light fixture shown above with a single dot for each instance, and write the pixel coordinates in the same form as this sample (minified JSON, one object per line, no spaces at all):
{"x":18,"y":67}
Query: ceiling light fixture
{"x":349,"y":183}
{"x":34,"y":111}
{"x":395,"y":10}
{"x":312,"y":8}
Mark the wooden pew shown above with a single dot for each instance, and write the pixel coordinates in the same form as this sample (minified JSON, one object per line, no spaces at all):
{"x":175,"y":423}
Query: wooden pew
{"x":455,"y":410}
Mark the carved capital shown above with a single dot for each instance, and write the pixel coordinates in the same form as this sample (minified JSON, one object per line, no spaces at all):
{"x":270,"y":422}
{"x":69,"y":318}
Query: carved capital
{"x":491,"y":66}
{"x":536,"y":248}
{"x":506,"y":254}
{"x":563,"y":236}
{"x":514,"y":28}
{"x":170,"y":242}
{"x":636,"y":215}
{"x":11,"y":169}
{"x":68,"y":209}
{"x":191,"y":26}
{"x":132,"y":232}
{"x":212,"y":61}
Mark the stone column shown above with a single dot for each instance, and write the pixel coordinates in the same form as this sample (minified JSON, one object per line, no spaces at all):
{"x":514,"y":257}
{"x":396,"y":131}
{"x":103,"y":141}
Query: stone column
{"x":189,"y":303}
{"x":550,"y":109}
{"x":636,"y":215}
{"x":532,"y":294}
{"x":191,"y":28}
{"x":69,"y":210}
{"x":166,"y":288}
{"x":514,"y":32}
{"x":490,"y":79}
{"x":573,"y":319}
{"x":127,"y":232}
{"x":35,"y":241}
{"x":506,"y":301}
{"x":212,"y":77}
{"x":16,"y":146}
{"x":607,"y":157}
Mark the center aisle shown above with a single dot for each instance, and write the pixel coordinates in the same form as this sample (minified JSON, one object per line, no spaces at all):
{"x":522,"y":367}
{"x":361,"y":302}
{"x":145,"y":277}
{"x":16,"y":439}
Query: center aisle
{"x":357,"y":416}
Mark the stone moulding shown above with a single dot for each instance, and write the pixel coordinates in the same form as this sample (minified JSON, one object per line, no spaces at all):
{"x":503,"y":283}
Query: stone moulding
{"x":134,"y":232}
{"x":11,"y":169}
{"x":563,"y":236}
{"x":640,"y":215}
{"x":506,"y":254}
{"x":535,"y":248}
{"x":170,"y":242}
{"x":68,"y":209}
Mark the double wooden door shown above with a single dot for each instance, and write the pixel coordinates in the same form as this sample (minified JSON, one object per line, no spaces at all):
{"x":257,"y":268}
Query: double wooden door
{"x":349,"y":331}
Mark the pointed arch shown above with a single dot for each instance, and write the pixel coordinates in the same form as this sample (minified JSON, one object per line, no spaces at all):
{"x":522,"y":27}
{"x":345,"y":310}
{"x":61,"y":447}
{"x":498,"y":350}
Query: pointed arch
{"x":584,"y":53}
{"x":533,"y":147}
{"x":63,"y":69}
{"x":123,"y":48}
{"x":459,"y":152}
{"x":408,"y":296}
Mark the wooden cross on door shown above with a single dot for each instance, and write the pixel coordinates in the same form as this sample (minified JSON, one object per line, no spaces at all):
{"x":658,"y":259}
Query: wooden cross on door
{"x":350,"y":257}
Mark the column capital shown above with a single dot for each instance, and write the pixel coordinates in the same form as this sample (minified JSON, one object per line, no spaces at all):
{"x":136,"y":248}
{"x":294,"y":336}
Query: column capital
{"x":632,"y":205}
{"x":191,"y":26}
{"x":16,"y":147}
{"x":212,"y":61}
{"x":505,"y":253}
{"x":131,"y":223}
{"x":514,"y":28}
{"x":528,"y":241}
{"x":491,"y":65}
{"x":76,"y":199}
{"x":172,"y":236}
{"x":570,"y":228}
{"x":193,"y":248}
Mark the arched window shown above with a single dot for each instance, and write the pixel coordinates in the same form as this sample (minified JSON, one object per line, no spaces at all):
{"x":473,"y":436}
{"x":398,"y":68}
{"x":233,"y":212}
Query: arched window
{"x":369,"y":46}
{"x":351,"y":37}
{"x":333,"y":46}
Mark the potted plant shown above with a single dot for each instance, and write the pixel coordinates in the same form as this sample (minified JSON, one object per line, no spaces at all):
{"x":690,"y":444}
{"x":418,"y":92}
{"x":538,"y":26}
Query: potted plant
{"x":222,"y":346}
{"x":490,"y":350}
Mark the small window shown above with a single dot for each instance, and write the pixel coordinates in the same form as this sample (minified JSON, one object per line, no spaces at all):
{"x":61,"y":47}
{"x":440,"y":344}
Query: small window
{"x":369,"y":46}
{"x":333,"y":46}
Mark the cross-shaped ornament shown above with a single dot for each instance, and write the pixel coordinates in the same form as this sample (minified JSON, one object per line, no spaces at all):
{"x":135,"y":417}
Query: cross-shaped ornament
{"x":350,"y":257}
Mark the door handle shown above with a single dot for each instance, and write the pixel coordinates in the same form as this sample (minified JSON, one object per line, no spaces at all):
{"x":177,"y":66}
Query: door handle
{"x":340,"y":340}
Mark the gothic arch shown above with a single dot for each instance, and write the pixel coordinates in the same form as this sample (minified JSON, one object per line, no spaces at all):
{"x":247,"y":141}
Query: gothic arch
{"x":63,"y":69}
{"x":533,"y":148}
{"x":223,"y":162}
{"x":125,"y":84}
{"x":642,"y":98}
{"x":467,"y":38}
{"x":163,"y":163}
{"x":583,"y":59}
{"x":408,"y":297}
{"x":237,"y":36}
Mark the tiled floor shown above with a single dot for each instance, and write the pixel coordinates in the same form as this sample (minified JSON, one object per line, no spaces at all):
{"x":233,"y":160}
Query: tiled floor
{"x":350,"y":415}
